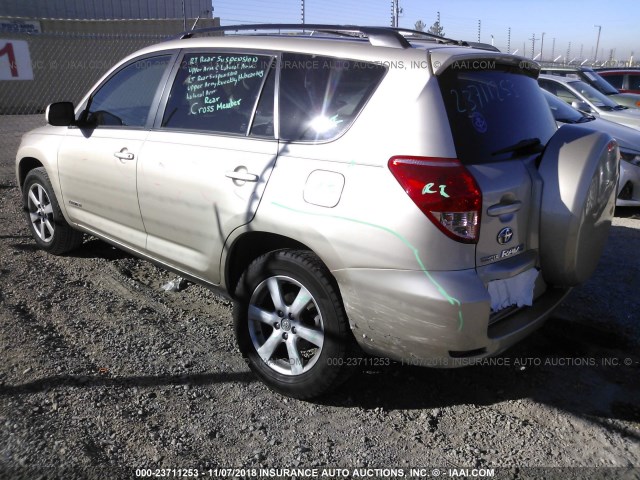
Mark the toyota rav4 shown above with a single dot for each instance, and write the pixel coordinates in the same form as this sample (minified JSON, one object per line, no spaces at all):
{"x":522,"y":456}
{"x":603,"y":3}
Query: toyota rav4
{"x":352,"y":189}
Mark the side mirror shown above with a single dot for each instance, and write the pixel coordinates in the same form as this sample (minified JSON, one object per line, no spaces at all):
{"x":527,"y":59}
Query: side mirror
{"x":582,"y":106}
{"x":60,"y":114}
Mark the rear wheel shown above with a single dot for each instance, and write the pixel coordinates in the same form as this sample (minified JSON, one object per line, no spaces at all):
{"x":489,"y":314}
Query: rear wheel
{"x":47,"y":224}
{"x":291,"y":325}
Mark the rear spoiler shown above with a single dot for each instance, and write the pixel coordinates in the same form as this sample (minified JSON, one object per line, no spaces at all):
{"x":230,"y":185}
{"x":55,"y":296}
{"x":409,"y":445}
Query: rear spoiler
{"x":442,"y":60}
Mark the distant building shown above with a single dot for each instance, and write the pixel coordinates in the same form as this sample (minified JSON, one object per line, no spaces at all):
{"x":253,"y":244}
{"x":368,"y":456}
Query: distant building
{"x":107,"y":9}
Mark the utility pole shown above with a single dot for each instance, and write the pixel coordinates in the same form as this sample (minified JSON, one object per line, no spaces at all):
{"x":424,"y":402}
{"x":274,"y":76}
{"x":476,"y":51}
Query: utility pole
{"x":533,"y":45}
{"x":568,"y":52}
{"x":597,"y":41}
{"x":184,"y":17}
{"x":509,"y":40}
{"x":479,"y":27}
{"x":542,"y":46}
{"x":303,"y":12}
{"x":553,"y":47}
{"x":581,"y":47}
{"x":393,"y":13}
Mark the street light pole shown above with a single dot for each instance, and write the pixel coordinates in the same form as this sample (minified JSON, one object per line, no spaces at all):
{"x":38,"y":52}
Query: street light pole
{"x":597,"y":42}
{"x":542,"y":47}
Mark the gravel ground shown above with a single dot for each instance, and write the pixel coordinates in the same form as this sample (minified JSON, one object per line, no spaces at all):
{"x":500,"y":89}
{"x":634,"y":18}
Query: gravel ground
{"x":103,"y":373}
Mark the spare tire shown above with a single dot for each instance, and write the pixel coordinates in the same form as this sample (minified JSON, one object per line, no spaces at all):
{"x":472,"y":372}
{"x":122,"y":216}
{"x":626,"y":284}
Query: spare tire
{"x":580,"y":173}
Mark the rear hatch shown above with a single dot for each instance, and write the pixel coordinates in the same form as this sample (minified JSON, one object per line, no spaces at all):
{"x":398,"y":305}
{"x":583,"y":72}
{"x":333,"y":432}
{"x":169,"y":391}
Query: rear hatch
{"x":500,"y":123}
{"x":548,"y":195}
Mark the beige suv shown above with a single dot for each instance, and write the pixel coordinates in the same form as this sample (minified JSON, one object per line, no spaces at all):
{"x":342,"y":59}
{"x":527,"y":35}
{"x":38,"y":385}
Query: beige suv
{"x":353,"y":189}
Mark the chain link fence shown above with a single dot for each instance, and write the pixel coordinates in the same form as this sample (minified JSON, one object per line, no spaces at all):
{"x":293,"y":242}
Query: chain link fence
{"x":49,"y":60}
{"x":64,"y":67}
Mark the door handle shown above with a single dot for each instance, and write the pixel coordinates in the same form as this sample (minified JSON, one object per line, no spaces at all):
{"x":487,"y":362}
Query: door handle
{"x":124,"y":155}
{"x":242,"y":176}
{"x":504,"y":208}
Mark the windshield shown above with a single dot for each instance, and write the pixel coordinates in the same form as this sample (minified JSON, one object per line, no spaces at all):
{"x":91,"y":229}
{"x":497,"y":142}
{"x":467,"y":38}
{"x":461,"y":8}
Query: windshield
{"x":600,"y":83}
{"x":591,"y":94}
{"x":562,"y":112}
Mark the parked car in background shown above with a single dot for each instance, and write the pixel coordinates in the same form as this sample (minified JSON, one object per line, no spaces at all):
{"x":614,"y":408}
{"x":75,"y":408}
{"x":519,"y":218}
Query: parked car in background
{"x":626,"y":80}
{"x":591,"y":77}
{"x":351,"y":188}
{"x":587,"y":99}
{"x":628,"y":192}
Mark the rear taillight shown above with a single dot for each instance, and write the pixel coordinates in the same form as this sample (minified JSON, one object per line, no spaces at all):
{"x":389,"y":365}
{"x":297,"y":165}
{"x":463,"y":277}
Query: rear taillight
{"x":445,"y":191}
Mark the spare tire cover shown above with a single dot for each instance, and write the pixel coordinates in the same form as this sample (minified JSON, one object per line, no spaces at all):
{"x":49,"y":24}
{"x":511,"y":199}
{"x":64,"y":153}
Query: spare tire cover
{"x":580,"y":172}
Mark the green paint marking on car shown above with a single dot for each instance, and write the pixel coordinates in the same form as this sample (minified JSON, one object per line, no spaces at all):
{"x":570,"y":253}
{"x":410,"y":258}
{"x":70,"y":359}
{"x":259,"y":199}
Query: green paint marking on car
{"x":428,"y":189}
{"x":443,"y":292}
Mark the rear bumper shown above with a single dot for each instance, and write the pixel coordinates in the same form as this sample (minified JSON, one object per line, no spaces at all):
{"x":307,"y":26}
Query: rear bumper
{"x":439,"y":319}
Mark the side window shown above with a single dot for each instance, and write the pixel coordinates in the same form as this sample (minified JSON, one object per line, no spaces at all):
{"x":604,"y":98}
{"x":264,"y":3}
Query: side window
{"x":615,"y":80}
{"x":320,"y":97}
{"x":558,"y":90}
{"x":126,"y":98}
{"x":216,"y":92}
{"x":634,"y":82}
{"x":565,"y":94}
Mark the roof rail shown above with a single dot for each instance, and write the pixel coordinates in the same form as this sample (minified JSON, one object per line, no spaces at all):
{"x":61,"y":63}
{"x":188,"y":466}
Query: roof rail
{"x":431,"y":36}
{"x":377,"y":36}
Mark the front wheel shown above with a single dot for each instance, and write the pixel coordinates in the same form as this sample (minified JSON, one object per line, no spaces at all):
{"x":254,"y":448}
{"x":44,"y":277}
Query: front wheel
{"x":47,"y":224}
{"x":291,"y":325}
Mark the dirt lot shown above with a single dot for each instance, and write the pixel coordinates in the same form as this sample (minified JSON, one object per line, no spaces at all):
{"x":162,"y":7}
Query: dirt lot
{"x":103,"y":373}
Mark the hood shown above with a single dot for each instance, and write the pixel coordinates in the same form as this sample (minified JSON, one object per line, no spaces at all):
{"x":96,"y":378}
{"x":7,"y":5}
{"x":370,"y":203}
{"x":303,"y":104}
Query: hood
{"x":625,"y":136}
{"x":629,"y":99}
{"x":630,"y":117}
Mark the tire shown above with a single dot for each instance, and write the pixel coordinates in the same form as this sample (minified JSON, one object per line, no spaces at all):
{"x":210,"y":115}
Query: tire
{"x":47,"y":224}
{"x":299,"y":346}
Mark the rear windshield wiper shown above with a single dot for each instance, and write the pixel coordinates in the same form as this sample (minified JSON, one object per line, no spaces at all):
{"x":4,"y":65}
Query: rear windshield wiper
{"x":522,"y":146}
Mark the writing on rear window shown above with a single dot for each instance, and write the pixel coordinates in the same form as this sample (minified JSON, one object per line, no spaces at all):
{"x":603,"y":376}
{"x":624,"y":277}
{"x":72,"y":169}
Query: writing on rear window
{"x":477,"y":96}
{"x":208,"y":73}
{"x":216,"y":92}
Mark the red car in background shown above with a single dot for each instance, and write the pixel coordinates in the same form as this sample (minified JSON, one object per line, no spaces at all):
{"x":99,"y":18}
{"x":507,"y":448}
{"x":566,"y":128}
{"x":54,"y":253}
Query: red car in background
{"x":625,"y":80}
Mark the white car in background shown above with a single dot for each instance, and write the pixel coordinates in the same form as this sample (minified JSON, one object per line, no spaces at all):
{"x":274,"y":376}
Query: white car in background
{"x":628,"y":193}
{"x":587,"y":99}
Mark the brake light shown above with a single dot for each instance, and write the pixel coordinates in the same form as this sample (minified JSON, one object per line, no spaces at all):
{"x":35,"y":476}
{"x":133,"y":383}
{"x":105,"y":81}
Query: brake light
{"x":445,"y":191}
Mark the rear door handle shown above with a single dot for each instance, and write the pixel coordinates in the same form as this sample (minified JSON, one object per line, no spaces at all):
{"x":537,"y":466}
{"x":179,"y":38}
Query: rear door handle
{"x":242,"y":176}
{"x":124,"y":155}
{"x":504,"y":208}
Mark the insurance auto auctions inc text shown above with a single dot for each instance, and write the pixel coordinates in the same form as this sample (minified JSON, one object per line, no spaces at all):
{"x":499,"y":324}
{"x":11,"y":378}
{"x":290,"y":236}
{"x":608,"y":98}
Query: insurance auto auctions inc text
{"x":303,"y":473}
{"x":517,"y":362}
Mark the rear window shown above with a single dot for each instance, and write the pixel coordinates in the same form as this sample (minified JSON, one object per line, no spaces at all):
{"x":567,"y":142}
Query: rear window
{"x":491,"y":110}
{"x":320,"y":97}
{"x":600,"y":83}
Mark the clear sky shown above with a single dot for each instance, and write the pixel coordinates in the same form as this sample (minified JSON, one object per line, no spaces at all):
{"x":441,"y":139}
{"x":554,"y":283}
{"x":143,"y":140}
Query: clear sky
{"x":566,"y":21}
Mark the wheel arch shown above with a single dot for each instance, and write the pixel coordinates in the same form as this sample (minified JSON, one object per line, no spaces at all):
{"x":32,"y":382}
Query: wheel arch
{"x":25,"y":165}
{"x":249,"y":246}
